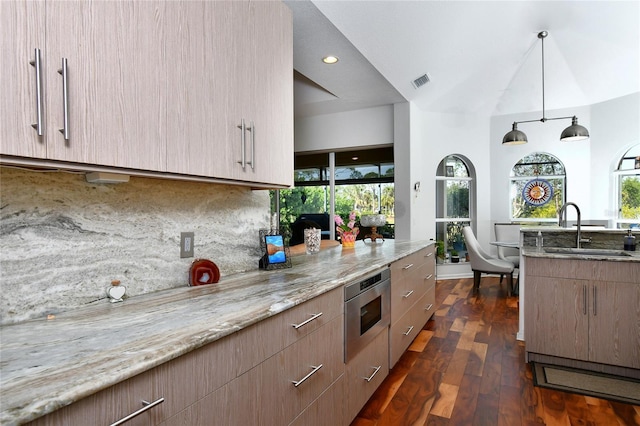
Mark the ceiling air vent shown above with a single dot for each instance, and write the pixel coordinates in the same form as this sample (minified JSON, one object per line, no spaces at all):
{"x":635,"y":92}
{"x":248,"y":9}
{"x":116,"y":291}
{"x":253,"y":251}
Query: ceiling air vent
{"x":421,"y":81}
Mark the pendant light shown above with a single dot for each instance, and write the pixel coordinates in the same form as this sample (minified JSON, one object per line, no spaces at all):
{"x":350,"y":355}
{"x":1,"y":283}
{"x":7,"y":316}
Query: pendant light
{"x":575,"y":132}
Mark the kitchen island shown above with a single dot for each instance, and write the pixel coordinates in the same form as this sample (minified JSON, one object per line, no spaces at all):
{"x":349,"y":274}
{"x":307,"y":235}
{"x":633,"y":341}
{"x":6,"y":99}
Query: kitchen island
{"x":49,"y":363}
{"x":582,"y":308}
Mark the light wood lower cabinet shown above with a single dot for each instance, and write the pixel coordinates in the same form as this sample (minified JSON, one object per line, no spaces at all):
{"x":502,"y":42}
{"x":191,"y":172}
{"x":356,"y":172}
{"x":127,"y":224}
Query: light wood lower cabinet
{"x":267,"y":394}
{"x":180,"y":382}
{"x":365,"y":372}
{"x":412,"y":299}
{"x":327,"y":410}
{"x":583,"y":310}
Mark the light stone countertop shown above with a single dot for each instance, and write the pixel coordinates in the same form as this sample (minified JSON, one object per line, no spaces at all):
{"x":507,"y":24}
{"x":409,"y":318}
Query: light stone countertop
{"x":586,"y":254}
{"x":47,"y":364}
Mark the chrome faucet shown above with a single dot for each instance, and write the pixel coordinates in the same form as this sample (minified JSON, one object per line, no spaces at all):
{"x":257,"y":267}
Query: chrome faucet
{"x":562,"y":222}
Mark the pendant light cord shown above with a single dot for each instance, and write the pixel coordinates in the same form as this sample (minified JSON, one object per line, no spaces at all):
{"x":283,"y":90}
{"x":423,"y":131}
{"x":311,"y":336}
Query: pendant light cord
{"x":541,"y":36}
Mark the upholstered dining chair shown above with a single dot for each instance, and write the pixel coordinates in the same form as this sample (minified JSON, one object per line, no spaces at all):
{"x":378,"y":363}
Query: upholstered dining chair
{"x":482,"y":262}
{"x":507,"y":233}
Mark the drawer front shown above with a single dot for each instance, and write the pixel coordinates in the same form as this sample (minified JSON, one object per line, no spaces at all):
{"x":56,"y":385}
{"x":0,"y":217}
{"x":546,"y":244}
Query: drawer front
{"x":327,"y":410}
{"x":425,"y":308}
{"x":401,"y":335}
{"x":111,"y":405}
{"x":267,"y":395}
{"x":408,"y":286}
{"x":403,"y":267}
{"x":365,"y":374}
{"x":272,"y":335}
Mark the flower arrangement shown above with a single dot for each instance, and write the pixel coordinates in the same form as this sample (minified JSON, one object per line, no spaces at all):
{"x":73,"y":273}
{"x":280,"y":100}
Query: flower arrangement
{"x":348,"y":231}
{"x":349,"y":227}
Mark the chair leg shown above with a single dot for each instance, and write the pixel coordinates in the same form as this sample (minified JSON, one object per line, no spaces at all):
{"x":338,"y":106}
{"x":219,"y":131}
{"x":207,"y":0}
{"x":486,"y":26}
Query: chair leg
{"x":501,"y":276}
{"x":476,"y":280}
{"x":510,"y":283}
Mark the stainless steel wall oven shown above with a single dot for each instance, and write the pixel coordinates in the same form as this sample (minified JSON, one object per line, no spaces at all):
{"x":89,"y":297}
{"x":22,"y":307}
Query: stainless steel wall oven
{"x":367,"y":311}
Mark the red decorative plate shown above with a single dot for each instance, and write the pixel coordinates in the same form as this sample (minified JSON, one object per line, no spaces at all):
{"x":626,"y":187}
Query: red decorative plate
{"x":203,"y":271}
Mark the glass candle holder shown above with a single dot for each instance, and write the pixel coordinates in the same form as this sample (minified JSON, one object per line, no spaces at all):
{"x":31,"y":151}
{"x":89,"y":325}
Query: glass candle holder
{"x":312,"y":240}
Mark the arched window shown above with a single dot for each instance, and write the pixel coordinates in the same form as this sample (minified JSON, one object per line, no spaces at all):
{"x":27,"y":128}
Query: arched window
{"x":628,"y":179}
{"x":455,"y":204}
{"x":537,"y":188}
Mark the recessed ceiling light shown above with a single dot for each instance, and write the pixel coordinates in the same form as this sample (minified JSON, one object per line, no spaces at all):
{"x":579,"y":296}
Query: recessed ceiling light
{"x":330,"y":59}
{"x":354,"y":158}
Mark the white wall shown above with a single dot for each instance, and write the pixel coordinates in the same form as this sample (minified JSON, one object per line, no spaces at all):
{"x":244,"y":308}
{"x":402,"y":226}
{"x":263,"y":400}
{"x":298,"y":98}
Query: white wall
{"x":403,"y":173}
{"x":351,"y":129}
{"x":435,"y":136}
{"x":615,"y":129}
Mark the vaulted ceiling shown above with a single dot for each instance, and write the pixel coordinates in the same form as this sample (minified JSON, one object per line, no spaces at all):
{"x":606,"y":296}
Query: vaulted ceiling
{"x":482,"y":57}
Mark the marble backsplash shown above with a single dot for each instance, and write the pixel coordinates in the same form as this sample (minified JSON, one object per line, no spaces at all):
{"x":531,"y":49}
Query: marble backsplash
{"x":62,"y":240}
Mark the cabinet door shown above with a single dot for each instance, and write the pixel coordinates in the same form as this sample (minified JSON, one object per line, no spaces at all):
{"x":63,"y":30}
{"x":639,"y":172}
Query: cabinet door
{"x":556,"y":317}
{"x":205,"y":42}
{"x":614,"y":323}
{"x":270,"y":106}
{"x":22,"y":25}
{"x":233,"y":64}
{"x":116,"y":82}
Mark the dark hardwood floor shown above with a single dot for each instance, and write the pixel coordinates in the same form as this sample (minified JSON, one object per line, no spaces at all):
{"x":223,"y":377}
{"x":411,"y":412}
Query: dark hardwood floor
{"x":467,"y":368}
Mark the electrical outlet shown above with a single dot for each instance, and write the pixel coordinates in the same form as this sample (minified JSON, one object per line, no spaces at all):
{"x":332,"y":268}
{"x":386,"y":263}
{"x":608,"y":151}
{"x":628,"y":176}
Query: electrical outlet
{"x":186,"y":244}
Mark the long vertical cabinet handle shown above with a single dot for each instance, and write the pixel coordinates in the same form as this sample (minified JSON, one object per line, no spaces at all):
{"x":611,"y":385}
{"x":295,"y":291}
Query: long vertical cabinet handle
{"x":243,"y":129}
{"x":595,"y":300}
{"x":252,"y":129}
{"x":584,"y":299}
{"x":65,"y":99}
{"x":39,"y":105}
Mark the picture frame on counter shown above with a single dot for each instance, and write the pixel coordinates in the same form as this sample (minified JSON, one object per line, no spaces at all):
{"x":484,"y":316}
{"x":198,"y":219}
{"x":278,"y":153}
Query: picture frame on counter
{"x":275,"y":253}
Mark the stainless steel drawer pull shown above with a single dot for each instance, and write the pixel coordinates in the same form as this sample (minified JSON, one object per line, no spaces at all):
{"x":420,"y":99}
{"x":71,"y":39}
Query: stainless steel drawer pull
{"x":408,"y":266}
{"x":243,"y":129}
{"x":313,"y":316}
{"x":314,"y":371}
{"x":408,"y":331}
{"x":408,"y":294}
{"x":376,"y":369}
{"x":39,"y":105}
{"x":252,"y":129}
{"x":429,"y":276}
{"x":65,"y":99}
{"x":429,"y":254}
{"x":147,"y":406}
{"x":428,"y":307}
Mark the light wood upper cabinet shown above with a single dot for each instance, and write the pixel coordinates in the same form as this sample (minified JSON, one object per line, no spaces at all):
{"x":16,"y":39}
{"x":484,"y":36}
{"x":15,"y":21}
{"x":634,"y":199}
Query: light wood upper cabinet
{"x":115,"y":76}
{"x":233,"y":64}
{"x":153,"y":86}
{"x":22,"y":32}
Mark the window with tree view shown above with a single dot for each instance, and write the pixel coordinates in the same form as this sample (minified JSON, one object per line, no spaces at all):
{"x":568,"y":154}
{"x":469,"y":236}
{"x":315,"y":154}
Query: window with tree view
{"x":454,"y":185}
{"x":628,"y":174}
{"x":539,"y":170}
{"x":364,"y":183}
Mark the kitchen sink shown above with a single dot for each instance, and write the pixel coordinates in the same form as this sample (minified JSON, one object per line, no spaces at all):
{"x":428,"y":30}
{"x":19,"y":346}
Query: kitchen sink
{"x":586,"y":252}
